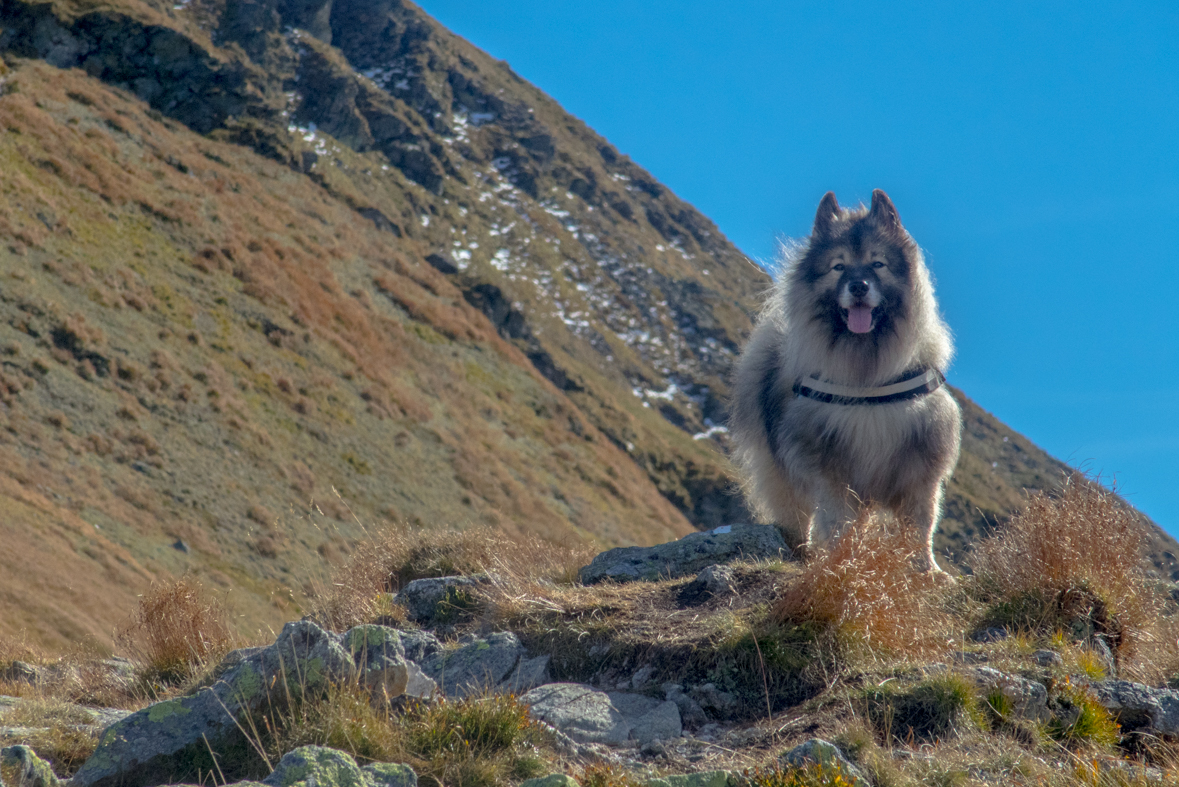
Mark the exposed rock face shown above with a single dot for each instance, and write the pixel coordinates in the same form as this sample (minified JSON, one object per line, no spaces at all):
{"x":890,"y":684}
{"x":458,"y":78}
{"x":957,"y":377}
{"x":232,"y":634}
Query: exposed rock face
{"x":690,"y":554}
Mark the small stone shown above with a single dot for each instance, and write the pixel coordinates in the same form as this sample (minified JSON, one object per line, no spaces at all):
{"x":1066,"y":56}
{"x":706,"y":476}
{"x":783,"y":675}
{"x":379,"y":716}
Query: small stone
{"x":1047,"y":658}
{"x":711,"y":583}
{"x":180,"y":546}
{"x":642,"y":677}
{"x":990,"y":634}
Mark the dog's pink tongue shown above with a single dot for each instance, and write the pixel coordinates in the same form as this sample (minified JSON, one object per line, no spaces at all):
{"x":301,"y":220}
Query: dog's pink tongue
{"x":859,"y":319}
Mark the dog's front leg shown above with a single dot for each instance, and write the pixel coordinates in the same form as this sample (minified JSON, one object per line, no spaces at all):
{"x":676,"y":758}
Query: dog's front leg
{"x":836,"y":509}
{"x":922,"y":512}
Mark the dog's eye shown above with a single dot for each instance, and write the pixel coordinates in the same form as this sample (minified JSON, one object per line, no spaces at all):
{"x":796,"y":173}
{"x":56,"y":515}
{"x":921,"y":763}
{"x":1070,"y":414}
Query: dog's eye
{"x":837,"y":267}
{"x":878,"y":264}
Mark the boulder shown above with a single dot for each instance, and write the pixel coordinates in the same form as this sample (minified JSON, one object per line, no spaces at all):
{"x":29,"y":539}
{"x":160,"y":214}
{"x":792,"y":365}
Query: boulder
{"x":169,"y":742}
{"x":688,"y":555}
{"x":649,"y":718}
{"x":1138,"y":707}
{"x":582,"y":712}
{"x":316,"y":766}
{"x":817,"y":750}
{"x":590,"y":716}
{"x":1047,"y":658}
{"x":389,"y":774}
{"x":380,"y":659}
{"x":498,"y":662}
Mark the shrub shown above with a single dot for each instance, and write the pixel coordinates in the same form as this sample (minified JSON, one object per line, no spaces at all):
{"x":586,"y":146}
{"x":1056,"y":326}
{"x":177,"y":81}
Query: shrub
{"x":864,"y":589}
{"x":473,"y":742}
{"x":935,"y":710}
{"x":1082,"y":722}
{"x":177,"y":628}
{"x":1069,"y":562}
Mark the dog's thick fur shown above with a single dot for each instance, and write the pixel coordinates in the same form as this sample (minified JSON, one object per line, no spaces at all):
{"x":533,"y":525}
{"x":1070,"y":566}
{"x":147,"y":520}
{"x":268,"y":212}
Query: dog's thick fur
{"x":811,"y":466}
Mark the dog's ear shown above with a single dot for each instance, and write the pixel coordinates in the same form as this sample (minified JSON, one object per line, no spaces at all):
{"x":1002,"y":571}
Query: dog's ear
{"x":827,"y":214}
{"x":884,"y":213}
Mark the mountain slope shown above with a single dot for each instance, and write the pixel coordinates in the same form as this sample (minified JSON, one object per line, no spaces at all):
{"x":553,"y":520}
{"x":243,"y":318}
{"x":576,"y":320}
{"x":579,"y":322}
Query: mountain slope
{"x":258,"y":253}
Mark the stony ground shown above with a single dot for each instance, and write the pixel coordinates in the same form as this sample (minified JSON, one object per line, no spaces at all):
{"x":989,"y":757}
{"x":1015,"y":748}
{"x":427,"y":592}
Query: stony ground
{"x":718,"y":656}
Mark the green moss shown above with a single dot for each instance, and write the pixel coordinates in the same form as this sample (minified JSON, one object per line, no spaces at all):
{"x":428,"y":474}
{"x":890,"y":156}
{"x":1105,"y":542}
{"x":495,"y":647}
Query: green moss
{"x":162,"y":711}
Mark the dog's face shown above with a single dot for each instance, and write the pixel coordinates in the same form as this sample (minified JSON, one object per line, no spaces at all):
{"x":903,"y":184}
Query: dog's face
{"x":857,"y":269}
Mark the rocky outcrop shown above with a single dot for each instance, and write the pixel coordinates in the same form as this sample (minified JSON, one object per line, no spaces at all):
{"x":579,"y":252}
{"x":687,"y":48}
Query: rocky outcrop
{"x":497,"y":662}
{"x":169,"y":741}
{"x":688,"y":555}
{"x":1140,"y":708}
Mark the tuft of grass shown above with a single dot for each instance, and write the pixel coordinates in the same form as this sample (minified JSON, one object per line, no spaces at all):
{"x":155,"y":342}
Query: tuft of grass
{"x":937,"y":709}
{"x":177,"y":629}
{"x":1085,"y":722}
{"x":478,"y":741}
{"x":396,"y":557}
{"x":607,"y":774}
{"x":59,"y":732}
{"x":1069,"y":562}
{"x":865,"y":590}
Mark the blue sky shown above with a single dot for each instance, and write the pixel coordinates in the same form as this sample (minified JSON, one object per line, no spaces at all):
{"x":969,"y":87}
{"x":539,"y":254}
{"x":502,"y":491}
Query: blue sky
{"x":1031,"y":149}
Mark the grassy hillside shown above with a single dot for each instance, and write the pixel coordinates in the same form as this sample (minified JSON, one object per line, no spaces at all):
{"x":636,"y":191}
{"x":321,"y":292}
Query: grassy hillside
{"x":269,"y":271}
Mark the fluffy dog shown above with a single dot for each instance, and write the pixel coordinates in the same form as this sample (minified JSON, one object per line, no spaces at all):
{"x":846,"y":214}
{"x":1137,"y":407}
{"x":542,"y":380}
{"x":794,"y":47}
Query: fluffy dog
{"x":840,"y":400}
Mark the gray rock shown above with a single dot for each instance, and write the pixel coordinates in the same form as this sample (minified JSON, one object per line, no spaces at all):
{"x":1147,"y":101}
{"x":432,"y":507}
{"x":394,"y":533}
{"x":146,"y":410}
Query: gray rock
{"x":480,"y":665}
{"x":702,"y":779}
{"x":389,"y":774}
{"x":711,"y":583}
{"x":582,"y":712}
{"x":691,"y":714}
{"x":437,"y":599}
{"x":817,"y":750}
{"x":29,"y":769}
{"x":1139,"y":707}
{"x":710,"y":698}
{"x":649,"y":719}
{"x":419,"y":685}
{"x":991,"y":634}
{"x":529,"y":674}
{"x":419,"y":645}
{"x":688,"y":555}
{"x":316,"y":766}
{"x":1029,"y":699}
{"x":1047,"y":658}
{"x":552,"y":780}
{"x":379,"y":658}
{"x":642,"y":677}
{"x":166,"y":743}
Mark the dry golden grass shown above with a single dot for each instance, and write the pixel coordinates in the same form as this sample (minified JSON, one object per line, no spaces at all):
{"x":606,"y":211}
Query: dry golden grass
{"x":356,"y":593}
{"x":1072,"y":562}
{"x":865,"y":590}
{"x":178,"y":627}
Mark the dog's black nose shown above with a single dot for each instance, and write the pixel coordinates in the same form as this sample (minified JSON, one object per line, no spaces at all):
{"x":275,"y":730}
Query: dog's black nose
{"x":858,"y":289}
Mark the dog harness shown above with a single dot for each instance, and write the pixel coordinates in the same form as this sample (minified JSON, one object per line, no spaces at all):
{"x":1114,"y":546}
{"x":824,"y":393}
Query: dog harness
{"x":910,"y":385}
